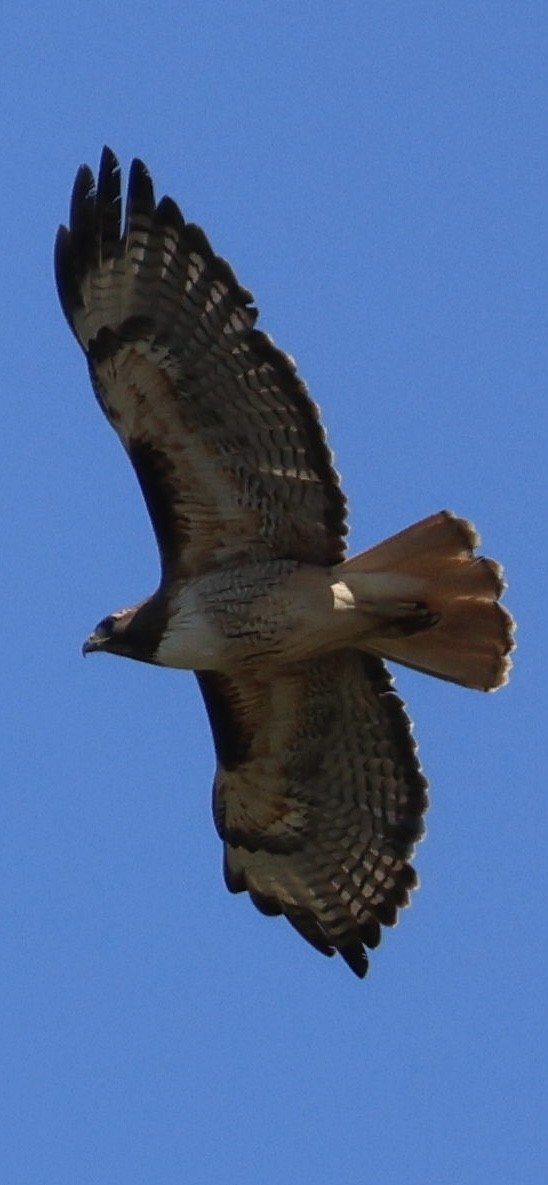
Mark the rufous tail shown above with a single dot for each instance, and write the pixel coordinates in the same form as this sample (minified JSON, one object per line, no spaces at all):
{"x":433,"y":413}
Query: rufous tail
{"x":432,"y":577}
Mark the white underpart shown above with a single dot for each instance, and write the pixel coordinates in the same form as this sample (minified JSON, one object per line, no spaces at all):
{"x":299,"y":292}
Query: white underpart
{"x":192,"y":640}
{"x":259,"y":612}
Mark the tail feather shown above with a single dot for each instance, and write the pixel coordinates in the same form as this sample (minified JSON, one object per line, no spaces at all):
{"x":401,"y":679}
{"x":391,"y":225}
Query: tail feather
{"x":463,"y":634}
{"x":470,"y":645}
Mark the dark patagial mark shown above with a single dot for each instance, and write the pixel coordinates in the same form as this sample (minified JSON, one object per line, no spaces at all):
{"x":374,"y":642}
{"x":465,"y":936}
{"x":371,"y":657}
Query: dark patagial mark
{"x":158,"y":483}
{"x":230,"y":737}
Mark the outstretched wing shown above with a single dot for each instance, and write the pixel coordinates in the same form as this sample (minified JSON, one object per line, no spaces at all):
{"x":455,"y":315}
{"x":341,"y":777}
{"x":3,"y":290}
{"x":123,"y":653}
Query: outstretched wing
{"x":318,"y":797}
{"x":226,"y":443}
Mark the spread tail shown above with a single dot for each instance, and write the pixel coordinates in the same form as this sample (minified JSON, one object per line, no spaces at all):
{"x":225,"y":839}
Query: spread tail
{"x":442,"y":609}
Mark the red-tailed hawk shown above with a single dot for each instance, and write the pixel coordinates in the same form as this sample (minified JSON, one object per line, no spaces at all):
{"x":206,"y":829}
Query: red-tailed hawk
{"x":318,"y":793}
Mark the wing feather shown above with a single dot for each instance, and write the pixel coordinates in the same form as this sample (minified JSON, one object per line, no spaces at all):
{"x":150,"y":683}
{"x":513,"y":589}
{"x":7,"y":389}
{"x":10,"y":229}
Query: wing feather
{"x":318,"y":797}
{"x":240,"y":462}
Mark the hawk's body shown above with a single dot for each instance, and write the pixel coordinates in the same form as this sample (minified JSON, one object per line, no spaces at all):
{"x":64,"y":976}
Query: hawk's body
{"x":318,"y":793}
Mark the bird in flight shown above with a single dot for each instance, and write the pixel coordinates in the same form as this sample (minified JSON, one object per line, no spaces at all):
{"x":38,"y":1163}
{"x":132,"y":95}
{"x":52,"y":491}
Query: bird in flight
{"x":318,"y":794}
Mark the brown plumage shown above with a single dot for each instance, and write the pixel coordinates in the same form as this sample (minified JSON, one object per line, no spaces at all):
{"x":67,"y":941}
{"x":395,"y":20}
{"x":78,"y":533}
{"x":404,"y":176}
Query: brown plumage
{"x":318,"y":793}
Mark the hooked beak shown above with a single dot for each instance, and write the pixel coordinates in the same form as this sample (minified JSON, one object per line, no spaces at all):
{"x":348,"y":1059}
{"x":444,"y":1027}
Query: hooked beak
{"x":94,"y":642}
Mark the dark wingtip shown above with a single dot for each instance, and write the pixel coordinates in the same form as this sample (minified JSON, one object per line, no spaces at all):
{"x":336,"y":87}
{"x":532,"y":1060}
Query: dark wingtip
{"x":108,"y":203}
{"x":109,"y":162}
{"x":82,"y":201}
{"x":94,"y":222}
{"x":140,"y":194}
{"x":67,"y":284}
{"x":69,"y":243}
{"x":355,"y":957}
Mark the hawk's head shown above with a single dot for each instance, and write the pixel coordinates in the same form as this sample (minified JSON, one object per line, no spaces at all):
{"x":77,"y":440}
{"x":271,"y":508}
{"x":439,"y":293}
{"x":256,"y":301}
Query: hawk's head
{"x":112,"y":633}
{"x":133,"y":633}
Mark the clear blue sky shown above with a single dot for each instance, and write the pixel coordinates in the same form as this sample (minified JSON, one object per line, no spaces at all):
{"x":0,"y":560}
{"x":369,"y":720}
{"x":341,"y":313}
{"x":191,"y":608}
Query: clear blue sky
{"x":376,"y":172}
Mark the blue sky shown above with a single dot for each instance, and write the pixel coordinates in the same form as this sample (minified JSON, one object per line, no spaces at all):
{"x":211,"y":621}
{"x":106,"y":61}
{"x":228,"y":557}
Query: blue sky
{"x":376,"y":173}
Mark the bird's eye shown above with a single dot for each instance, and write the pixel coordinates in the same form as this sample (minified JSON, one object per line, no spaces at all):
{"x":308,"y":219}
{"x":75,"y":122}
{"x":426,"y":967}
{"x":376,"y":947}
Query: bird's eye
{"x":106,"y":626}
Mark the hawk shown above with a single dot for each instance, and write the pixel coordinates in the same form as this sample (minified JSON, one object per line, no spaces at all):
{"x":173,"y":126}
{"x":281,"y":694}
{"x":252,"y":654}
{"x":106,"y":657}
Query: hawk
{"x":318,"y":794}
